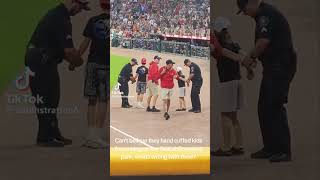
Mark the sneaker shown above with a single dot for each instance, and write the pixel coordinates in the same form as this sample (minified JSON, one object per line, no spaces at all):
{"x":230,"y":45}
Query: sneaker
{"x":140,"y":106}
{"x":261,"y":155}
{"x":149,"y":109}
{"x":64,"y":140}
{"x":166,"y":116}
{"x":221,"y":152}
{"x":126,"y":106}
{"x":197,"y":111}
{"x":52,"y":143}
{"x":237,"y":151}
{"x":280,"y":157}
{"x":96,"y":144}
{"x":155,"y":110}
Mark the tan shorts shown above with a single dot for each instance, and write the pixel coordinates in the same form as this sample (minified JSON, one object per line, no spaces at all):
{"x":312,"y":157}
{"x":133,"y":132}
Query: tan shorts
{"x":231,"y":96}
{"x":166,"y":93}
{"x":152,"y":88}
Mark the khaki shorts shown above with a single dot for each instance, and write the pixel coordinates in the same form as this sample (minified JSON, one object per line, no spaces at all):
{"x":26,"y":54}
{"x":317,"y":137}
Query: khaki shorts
{"x":152,"y":88}
{"x":166,"y":93}
{"x":231,"y":96}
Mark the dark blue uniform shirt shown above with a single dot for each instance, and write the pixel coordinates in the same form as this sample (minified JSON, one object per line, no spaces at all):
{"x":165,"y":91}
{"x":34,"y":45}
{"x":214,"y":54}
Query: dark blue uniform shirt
{"x":53,"y":34}
{"x":279,"y":59}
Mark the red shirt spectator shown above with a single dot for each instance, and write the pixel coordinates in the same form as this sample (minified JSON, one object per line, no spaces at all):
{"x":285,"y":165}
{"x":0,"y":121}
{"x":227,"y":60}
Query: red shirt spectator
{"x":167,"y":78}
{"x":153,"y":74}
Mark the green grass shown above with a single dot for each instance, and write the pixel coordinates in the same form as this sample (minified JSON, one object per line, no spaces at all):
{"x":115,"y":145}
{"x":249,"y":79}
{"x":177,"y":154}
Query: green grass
{"x":18,"y":19}
{"x":116,"y":64}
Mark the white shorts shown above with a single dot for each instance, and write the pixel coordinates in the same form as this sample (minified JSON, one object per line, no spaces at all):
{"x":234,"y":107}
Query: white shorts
{"x":230,"y":96}
{"x":166,"y":93}
{"x":182,"y":91}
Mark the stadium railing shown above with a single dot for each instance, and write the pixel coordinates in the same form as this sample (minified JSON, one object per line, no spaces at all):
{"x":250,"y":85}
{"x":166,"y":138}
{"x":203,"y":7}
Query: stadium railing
{"x":180,"y":48}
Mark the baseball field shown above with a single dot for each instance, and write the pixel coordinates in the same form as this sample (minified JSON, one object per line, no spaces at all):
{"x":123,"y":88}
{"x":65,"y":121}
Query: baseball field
{"x":138,"y":124}
{"x":116,"y":62}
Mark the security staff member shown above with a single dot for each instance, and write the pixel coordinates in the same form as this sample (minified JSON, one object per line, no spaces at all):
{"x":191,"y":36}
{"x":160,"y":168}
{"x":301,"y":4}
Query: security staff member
{"x":124,"y":77}
{"x":50,"y":43}
{"x":196,"y":78}
{"x":274,"y":48}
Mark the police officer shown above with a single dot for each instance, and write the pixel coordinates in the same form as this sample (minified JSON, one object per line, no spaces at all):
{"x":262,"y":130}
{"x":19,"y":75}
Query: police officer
{"x":274,"y":48}
{"x":50,"y":43}
{"x":124,"y":77}
{"x":196,"y":78}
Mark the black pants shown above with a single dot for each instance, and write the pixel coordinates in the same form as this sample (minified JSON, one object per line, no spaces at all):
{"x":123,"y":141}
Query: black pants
{"x":273,"y":115}
{"x":46,"y":85}
{"x":195,"y":95}
{"x":124,"y":89}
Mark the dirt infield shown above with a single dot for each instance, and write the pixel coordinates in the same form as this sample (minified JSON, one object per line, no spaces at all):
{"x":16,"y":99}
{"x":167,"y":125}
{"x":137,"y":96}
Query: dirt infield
{"x":180,"y":125}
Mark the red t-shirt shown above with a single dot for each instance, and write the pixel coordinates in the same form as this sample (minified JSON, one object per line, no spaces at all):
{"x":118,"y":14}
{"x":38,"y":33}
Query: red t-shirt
{"x":153,"y":72}
{"x":167,"y":78}
{"x":217,"y":48}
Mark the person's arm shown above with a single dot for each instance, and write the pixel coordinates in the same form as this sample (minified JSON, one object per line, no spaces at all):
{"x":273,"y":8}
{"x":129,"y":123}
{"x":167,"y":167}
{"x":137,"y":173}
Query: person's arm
{"x":71,"y":55}
{"x":264,"y":36}
{"x":84,"y":45}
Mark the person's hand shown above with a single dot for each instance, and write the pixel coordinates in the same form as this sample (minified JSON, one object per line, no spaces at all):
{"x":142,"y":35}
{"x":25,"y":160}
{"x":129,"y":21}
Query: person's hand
{"x":71,"y":67}
{"x":188,"y":81}
{"x":247,"y":62}
{"x":250,"y":74}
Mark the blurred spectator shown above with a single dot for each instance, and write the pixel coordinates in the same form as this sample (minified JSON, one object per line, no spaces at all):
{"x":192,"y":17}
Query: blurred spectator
{"x":145,"y":18}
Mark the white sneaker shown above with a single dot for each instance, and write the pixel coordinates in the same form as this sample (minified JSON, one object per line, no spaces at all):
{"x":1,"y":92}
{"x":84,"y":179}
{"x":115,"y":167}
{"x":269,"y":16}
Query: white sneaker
{"x":140,"y":106}
{"x":96,"y":143}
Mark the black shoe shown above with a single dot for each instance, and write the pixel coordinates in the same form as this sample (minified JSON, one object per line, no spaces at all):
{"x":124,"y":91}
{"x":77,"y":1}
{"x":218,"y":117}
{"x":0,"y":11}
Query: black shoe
{"x":280,"y":157}
{"x":237,"y":151}
{"x":179,"y":110}
{"x":197,"y":111}
{"x":166,"y":116}
{"x":126,"y":106}
{"x":261,"y":155}
{"x":221,"y":152}
{"x":155,"y":110}
{"x":64,"y":140}
{"x":149,"y":109}
{"x":51,"y":143}
{"x":191,"y":110}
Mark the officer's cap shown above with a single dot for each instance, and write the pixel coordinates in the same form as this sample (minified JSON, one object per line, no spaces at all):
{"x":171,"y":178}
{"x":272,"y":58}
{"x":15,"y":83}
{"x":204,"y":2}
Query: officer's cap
{"x":134,"y":60}
{"x":186,"y":61}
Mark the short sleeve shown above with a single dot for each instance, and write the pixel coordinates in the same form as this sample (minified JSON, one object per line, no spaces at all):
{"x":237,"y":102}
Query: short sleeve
{"x":88,"y":30}
{"x":264,"y":27}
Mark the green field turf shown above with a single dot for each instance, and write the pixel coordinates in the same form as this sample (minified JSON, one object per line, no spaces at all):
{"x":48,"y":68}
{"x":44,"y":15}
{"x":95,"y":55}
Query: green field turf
{"x":18,"y":20}
{"x":116,"y":64}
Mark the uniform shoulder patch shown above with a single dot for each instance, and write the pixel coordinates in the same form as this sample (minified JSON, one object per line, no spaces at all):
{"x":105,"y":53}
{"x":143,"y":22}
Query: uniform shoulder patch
{"x":264,"y":21}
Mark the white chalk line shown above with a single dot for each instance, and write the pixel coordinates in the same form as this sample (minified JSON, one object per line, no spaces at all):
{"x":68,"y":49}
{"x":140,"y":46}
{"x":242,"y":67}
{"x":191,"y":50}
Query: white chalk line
{"x":134,"y":138}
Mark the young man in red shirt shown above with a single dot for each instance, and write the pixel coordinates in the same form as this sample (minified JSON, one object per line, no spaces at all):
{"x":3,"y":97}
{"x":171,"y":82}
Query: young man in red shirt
{"x":167,"y":76}
{"x":153,"y":77}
